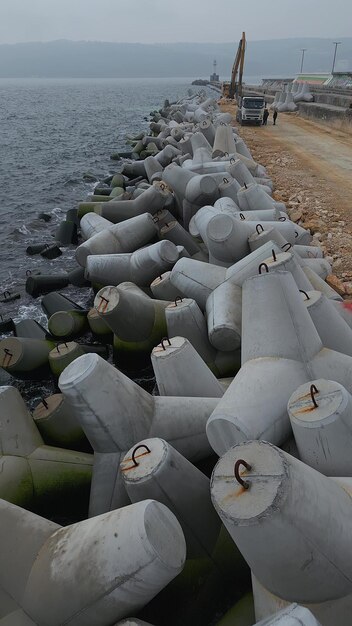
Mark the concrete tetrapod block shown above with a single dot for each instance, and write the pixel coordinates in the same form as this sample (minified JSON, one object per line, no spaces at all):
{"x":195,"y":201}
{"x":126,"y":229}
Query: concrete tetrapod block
{"x":114,"y":547}
{"x":133,"y":317}
{"x":224,"y":142}
{"x":166,"y":155}
{"x":333,"y":330}
{"x":31,"y":471}
{"x":201,"y":190}
{"x":91,"y":224}
{"x":112,"y":426}
{"x":224,"y":315}
{"x":258,"y":504}
{"x":227,"y":237}
{"x":149,"y":201}
{"x":57,"y":426}
{"x":172,"y":360}
{"x":154,"y":470}
{"x":140,"y":267}
{"x":321,"y":418}
{"x":293,"y":615}
{"x":277,"y":345}
{"x":25,"y":358}
{"x":252,"y":197}
{"x":174,"y":232}
{"x":127,"y":236}
{"x":186,"y":319}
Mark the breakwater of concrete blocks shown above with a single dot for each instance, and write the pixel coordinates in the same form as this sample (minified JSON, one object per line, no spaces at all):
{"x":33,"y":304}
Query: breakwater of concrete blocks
{"x":223,"y":496}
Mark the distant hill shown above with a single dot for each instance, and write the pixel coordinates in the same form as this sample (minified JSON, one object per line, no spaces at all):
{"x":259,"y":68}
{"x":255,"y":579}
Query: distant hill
{"x":84,"y":59}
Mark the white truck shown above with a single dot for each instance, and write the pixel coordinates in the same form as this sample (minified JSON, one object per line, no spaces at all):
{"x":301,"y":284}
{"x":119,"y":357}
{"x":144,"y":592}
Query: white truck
{"x":250,"y":109}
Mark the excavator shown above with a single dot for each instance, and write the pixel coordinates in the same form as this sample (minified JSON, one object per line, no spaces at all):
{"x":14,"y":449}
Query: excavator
{"x":249,"y":108}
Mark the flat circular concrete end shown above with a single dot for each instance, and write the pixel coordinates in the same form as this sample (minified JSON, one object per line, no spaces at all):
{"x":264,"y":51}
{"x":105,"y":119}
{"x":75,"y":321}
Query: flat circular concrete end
{"x":265,"y":479}
{"x":314,"y":297}
{"x":169,"y":346}
{"x":263,"y":234}
{"x":11,"y":352}
{"x":83,"y":367}
{"x":81,"y":254}
{"x":148,"y":455}
{"x":185,"y":303}
{"x":225,"y":338}
{"x":165,"y":535}
{"x":62,"y":350}
{"x":61,"y":324}
{"x":277,"y":259}
{"x":208,"y":185}
{"x":47,"y":407}
{"x":168,"y":251}
{"x":220,"y":227}
{"x":331,"y":400}
{"x":106,"y":300}
{"x":160,"y":279}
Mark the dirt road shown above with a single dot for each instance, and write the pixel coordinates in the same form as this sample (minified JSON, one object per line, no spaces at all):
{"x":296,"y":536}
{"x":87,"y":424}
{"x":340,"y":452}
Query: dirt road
{"x":311,"y":166}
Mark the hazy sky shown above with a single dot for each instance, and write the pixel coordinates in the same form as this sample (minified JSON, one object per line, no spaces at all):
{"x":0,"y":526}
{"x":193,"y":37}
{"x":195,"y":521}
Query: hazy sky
{"x":149,"y":21}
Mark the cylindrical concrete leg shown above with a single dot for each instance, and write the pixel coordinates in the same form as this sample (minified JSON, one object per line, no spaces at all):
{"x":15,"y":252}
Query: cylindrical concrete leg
{"x":130,"y":316}
{"x":197,"y":279}
{"x":91,"y":224}
{"x":152,"y":469}
{"x":334,"y":332}
{"x":284,"y":328}
{"x":61,"y":356}
{"x":20,"y":356}
{"x":174,"y":232}
{"x":255,"y":489}
{"x":56,"y":424}
{"x":172,"y":361}
{"x":163,"y":289}
{"x":321,"y":418}
{"x":114,"y":548}
{"x":224,"y":317}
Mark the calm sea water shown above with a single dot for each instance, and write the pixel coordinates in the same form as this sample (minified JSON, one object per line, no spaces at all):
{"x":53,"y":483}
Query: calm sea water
{"x":53,"y":132}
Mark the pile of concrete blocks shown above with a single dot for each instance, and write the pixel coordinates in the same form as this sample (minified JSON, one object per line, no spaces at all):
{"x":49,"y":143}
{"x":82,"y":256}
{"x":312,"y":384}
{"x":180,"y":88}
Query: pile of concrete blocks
{"x":195,"y":267}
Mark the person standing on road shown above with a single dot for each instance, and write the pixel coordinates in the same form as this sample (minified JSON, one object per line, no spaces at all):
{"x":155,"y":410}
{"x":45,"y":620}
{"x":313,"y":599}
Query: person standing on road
{"x":275,"y":117}
{"x":265,"y":116}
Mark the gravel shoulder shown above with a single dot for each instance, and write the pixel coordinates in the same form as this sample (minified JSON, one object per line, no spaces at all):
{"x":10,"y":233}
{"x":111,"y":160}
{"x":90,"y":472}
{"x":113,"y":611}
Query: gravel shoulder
{"x":311,"y":166}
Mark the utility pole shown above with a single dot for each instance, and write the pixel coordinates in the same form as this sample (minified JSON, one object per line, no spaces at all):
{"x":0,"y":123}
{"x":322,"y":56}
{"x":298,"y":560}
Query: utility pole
{"x":303,"y":50}
{"x":336,"y":43}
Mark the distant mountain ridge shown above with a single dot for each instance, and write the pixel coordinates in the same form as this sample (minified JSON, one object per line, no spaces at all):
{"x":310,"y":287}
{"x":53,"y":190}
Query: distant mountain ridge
{"x":88,"y":59}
